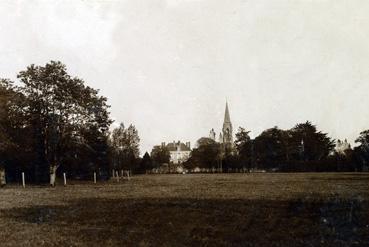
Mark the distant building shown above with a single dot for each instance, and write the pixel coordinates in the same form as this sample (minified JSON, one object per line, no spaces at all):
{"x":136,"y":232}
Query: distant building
{"x":179,"y":152}
{"x":226,"y":136}
{"x":342,"y":146}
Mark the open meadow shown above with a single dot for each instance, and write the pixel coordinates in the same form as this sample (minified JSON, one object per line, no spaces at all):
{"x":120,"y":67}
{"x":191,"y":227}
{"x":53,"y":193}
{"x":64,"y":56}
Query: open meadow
{"x":260,"y":209}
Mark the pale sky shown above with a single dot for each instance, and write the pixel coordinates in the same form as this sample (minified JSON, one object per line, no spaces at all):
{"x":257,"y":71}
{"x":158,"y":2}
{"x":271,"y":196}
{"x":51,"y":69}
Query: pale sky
{"x":168,"y":66}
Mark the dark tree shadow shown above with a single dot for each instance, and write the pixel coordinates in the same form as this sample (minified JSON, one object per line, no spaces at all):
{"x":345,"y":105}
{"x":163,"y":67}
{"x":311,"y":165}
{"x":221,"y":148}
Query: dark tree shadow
{"x":202,"y":222}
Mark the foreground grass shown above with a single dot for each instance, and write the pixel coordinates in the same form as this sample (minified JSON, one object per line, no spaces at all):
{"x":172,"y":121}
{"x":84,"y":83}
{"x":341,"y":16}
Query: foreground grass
{"x":181,"y":210}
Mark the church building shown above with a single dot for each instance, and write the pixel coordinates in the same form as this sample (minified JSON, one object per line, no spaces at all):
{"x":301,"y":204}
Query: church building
{"x":226,"y":136}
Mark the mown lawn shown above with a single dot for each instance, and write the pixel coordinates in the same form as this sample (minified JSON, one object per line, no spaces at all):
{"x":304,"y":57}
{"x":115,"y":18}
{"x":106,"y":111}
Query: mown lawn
{"x":269,"y":209}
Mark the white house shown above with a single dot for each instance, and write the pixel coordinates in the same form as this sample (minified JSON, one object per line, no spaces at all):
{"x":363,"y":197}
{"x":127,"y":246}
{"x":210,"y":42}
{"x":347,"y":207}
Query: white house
{"x":179,"y":152}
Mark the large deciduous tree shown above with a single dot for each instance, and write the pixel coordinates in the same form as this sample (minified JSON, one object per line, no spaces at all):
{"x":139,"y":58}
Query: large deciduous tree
{"x":146,"y":163}
{"x":6,"y":93}
{"x":15,"y":141}
{"x":207,"y":154}
{"x":160,"y":155}
{"x":309,"y":143}
{"x":63,"y":116}
{"x":271,"y":147}
{"x":243,"y":144}
{"x":125,"y":145}
{"x":361,"y":152}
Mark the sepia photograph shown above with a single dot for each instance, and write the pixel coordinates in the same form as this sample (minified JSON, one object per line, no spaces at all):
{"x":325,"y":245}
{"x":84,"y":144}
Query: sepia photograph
{"x":184,"y":123}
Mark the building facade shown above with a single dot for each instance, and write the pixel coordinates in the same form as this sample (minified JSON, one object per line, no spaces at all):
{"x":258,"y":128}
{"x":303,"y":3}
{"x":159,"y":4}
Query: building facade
{"x":179,"y":152}
{"x":342,"y":146}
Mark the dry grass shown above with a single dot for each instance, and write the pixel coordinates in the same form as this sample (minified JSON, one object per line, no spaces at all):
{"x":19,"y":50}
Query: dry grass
{"x":182,"y":210}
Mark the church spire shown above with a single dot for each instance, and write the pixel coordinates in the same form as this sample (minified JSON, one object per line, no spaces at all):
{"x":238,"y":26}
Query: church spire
{"x":227,"y":127}
{"x":227,"y":118}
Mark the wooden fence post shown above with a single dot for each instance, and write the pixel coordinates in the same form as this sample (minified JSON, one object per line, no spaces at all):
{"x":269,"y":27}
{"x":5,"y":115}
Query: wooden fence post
{"x":2,"y":176}
{"x":23,"y":180}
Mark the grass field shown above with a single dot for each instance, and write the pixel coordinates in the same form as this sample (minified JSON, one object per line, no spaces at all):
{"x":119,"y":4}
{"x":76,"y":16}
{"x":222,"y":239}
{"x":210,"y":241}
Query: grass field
{"x":267,"y":209}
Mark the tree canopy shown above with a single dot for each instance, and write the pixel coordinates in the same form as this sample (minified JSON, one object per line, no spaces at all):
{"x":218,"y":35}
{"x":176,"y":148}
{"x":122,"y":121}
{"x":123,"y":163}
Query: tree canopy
{"x":160,"y":155}
{"x":125,"y":147}
{"x":206,"y":155}
{"x":63,"y":122}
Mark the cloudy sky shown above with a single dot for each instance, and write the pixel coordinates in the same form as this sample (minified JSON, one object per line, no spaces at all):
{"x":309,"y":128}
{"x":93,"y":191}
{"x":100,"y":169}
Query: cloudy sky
{"x":169,"y":66}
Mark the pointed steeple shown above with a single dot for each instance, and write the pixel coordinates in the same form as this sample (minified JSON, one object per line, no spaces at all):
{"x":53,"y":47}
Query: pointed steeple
{"x":227,"y":127}
{"x":227,"y":118}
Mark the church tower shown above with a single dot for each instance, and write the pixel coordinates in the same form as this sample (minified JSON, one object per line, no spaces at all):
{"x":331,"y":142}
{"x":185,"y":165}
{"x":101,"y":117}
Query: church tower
{"x":227,"y":127}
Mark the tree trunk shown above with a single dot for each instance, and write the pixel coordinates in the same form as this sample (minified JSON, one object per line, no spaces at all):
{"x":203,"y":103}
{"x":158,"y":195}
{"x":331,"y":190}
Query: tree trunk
{"x":53,"y":169}
{"x":2,"y":176}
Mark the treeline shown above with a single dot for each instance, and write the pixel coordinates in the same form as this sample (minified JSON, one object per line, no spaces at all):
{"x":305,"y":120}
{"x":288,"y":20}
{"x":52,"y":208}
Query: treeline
{"x":302,"y":148}
{"x":51,"y":122}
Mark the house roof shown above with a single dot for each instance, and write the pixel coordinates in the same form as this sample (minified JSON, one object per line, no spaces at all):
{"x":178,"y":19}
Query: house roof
{"x":173,"y":146}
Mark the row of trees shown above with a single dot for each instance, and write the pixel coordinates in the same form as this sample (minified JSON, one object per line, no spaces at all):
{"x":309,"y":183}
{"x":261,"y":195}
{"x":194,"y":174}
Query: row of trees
{"x":52,"y":122}
{"x":159,"y":155}
{"x":302,"y":148}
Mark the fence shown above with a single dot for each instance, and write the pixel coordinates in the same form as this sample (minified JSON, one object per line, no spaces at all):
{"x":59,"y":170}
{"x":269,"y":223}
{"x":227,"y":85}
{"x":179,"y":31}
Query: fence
{"x":116,"y":176}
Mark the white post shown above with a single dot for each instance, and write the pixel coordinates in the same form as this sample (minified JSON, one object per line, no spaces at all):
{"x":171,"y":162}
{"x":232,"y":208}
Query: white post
{"x":53,"y":169}
{"x":23,"y":180}
{"x":121,"y":172}
{"x":2,"y":176}
{"x":94,"y":177}
{"x":113,"y":172}
{"x":117,"y":175}
{"x":65,"y":178}
{"x":128,"y":174}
